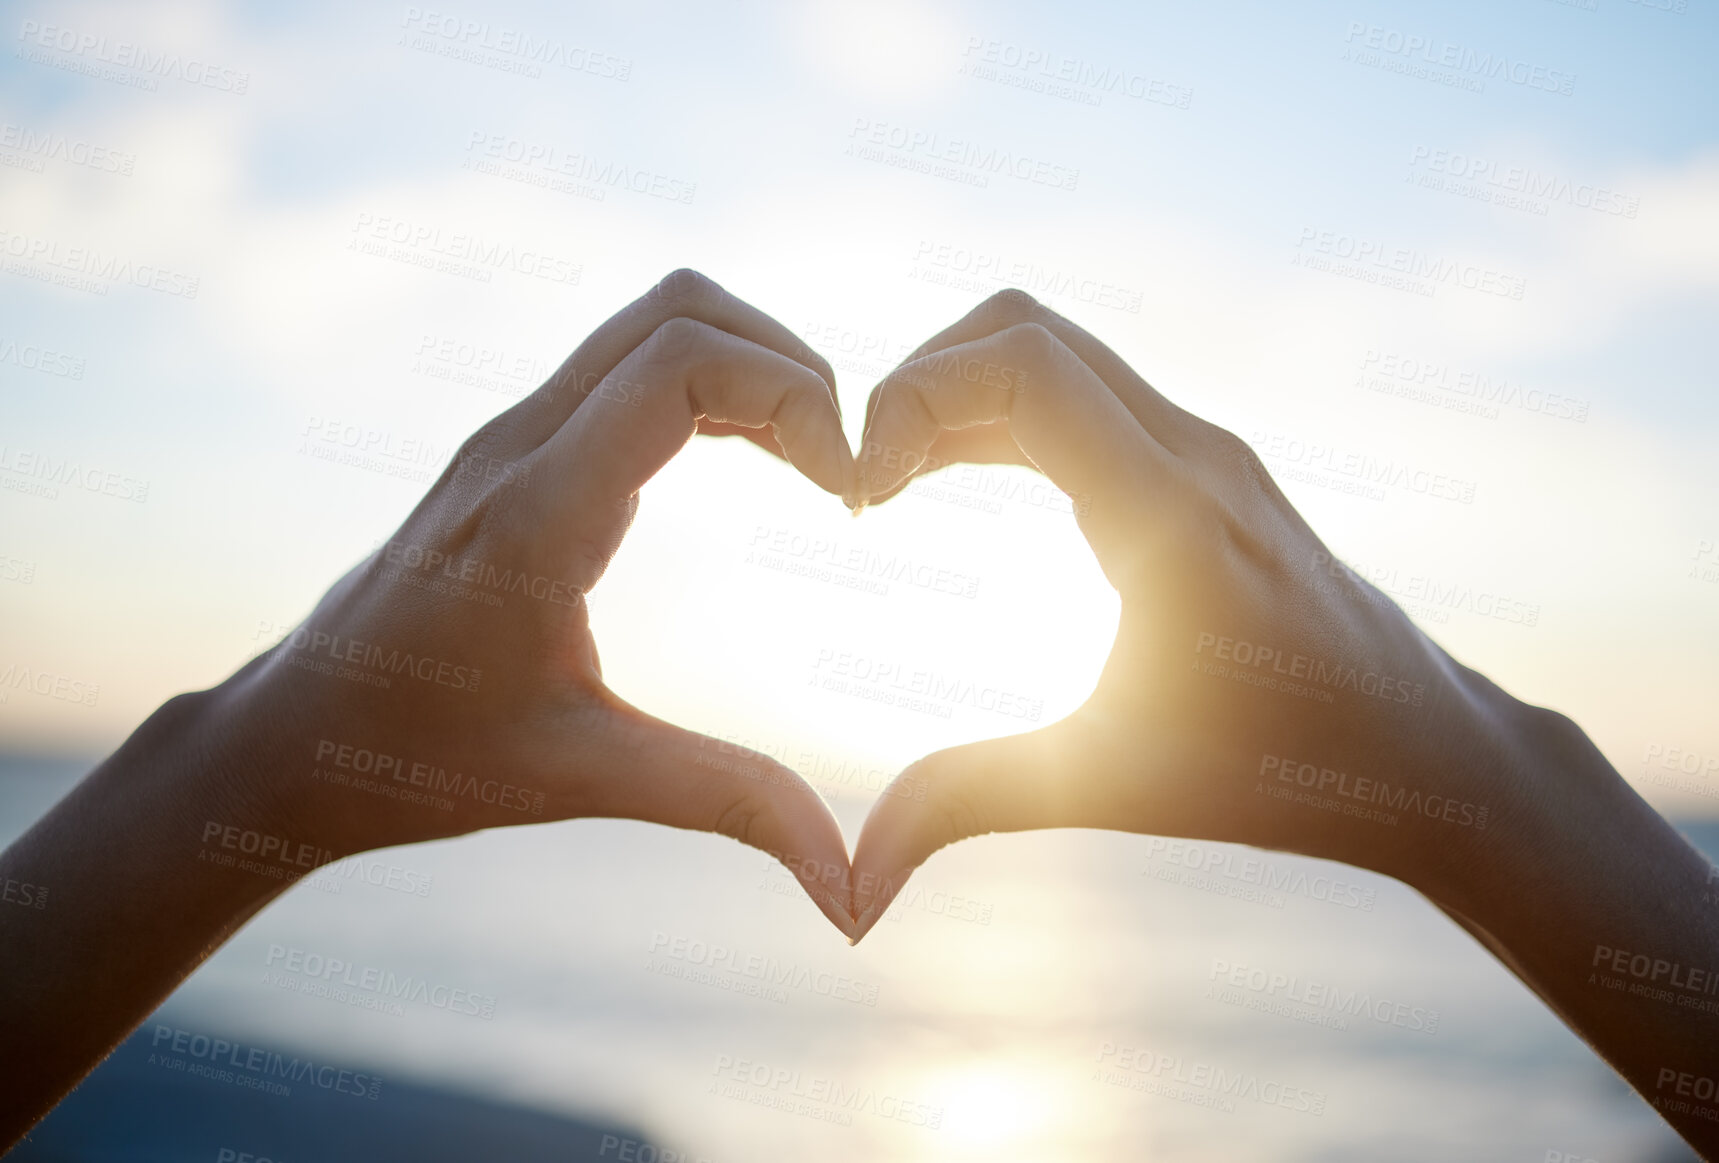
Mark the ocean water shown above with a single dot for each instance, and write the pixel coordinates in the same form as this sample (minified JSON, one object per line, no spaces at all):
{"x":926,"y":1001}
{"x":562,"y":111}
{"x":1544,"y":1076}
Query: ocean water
{"x":677,"y":996}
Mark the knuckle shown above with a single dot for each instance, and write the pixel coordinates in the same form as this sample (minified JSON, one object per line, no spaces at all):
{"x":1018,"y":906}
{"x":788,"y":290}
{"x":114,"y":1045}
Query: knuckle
{"x":961,"y":817}
{"x":817,"y":363}
{"x":587,"y":562}
{"x":686,"y":285}
{"x":1036,"y":340}
{"x":738,"y":820}
{"x":477,"y":444}
{"x":1233,"y":453}
{"x":482,"y":448}
{"x":1238,"y":489}
{"x":677,"y":338}
{"x":1013,"y":303}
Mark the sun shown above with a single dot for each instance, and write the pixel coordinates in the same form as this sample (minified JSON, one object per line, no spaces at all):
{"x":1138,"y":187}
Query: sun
{"x":988,"y":1106}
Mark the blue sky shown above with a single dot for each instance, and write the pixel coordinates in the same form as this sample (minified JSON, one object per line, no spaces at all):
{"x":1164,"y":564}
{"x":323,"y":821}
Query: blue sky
{"x":775,"y":121}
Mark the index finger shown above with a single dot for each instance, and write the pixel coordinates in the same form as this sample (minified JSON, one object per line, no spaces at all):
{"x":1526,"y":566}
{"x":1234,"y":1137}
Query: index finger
{"x":585,"y":479}
{"x":684,"y":294}
{"x":1170,"y":426}
{"x":1059,"y":412}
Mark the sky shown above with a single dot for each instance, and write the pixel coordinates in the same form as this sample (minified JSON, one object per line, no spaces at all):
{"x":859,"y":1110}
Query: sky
{"x":1218,"y":191}
{"x":1475,"y":242}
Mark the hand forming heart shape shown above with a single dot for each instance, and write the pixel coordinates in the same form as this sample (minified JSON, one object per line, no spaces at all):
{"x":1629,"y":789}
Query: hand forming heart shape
{"x":1238,"y":653}
{"x":473,"y":683}
{"x":1260,"y":692}
{"x":1257,"y":691}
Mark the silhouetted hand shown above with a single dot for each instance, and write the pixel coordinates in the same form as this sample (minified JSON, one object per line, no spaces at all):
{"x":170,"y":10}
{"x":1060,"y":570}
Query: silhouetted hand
{"x":456,"y":665}
{"x":1257,"y":691}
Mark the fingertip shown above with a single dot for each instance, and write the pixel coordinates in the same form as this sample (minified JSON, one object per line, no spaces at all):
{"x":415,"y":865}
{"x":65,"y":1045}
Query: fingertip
{"x":849,"y":470}
{"x":871,"y":904}
{"x":874,"y":481}
{"x":826,"y":461}
{"x":827,"y":469}
{"x":834,"y":911}
{"x":804,"y":837}
{"x":867,"y":921}
{"x":856,"y":497}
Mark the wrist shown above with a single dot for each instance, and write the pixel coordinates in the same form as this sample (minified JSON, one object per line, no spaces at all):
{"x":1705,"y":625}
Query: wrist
{"x":259,"y":776}
{"x":202,"y":775}
{"x":1546,"y":785}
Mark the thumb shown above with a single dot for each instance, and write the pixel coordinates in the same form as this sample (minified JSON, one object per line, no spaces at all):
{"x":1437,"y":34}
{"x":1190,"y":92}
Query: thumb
{"x":641,"y":768}
{"x":1012,"y":784}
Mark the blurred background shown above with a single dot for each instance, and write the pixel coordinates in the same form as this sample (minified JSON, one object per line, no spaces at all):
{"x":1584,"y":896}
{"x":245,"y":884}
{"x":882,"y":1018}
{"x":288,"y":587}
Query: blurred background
{"x":263,"y":267}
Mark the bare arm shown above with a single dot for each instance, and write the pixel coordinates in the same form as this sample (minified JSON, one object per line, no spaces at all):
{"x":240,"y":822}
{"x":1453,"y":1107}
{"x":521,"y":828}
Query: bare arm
{"x":1603,"y":909}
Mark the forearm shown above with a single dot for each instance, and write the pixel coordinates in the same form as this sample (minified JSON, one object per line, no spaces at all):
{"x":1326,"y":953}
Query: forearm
{"x":1602,"y":908}
{"x":139,"y":894}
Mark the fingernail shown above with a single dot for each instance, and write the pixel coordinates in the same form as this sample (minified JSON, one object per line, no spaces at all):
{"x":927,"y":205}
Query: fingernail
{"x":864,"y":924}
{"x":880,"y":902}
{"x":845,"y":457}
{"x":835,"y":911}
{"x":850,"y":491}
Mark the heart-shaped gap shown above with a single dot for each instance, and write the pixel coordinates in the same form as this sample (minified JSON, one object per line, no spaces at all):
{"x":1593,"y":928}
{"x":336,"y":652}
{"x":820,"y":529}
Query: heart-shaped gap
{"x":746,"y":604}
